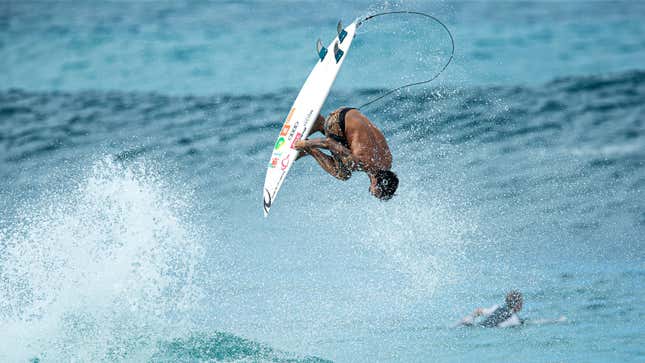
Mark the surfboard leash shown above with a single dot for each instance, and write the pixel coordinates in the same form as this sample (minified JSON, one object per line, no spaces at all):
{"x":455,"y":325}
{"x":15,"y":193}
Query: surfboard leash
{"x":436,"y":75}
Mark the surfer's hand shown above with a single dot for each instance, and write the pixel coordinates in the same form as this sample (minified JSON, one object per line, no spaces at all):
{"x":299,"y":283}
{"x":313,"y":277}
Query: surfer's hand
{"x":468,"y":320}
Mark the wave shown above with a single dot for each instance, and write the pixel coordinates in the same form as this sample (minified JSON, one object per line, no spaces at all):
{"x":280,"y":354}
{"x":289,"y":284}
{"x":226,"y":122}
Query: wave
{"x":95,"y":269}
{"x":202,"y":347}
{"x":584,"y":133}
{"x":596,"y":119}
{"x":42,"y":122}
{"x":101,"y":256}
{"x":580,"y":132}
{"x":110,"y":268}
{"x":220,"y":346}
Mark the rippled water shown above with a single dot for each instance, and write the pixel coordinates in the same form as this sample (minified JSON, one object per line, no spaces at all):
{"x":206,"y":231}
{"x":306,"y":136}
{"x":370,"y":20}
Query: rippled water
{"x":134,"y":144}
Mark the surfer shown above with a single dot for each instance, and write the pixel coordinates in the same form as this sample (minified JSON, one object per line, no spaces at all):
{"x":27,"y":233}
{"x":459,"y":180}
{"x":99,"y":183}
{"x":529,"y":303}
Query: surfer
{"x":355,"y":144}
{"x":498,"y":316}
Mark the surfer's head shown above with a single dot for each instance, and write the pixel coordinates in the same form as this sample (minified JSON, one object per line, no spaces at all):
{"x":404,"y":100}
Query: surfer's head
{"x":514,"y":300}
{"x":384,"y":184}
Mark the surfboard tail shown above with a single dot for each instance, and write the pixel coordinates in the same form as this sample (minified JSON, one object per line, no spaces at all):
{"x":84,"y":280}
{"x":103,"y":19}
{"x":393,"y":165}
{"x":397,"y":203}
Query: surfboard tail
{"x":321,"y":50}
{"x":341,"y":31}
{"x":267,"y":200}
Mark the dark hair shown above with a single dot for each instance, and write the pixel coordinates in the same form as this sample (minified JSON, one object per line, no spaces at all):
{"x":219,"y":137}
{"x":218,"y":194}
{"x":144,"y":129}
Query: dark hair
{"x":386,"y":182}
{"x":513,"y":298}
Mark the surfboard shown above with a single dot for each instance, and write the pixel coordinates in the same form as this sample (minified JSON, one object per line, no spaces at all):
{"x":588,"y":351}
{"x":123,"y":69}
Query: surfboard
{"x":305,"y":110}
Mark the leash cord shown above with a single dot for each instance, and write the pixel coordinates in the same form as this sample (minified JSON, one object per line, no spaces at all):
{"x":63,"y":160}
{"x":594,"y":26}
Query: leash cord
{"x":452,"y":52}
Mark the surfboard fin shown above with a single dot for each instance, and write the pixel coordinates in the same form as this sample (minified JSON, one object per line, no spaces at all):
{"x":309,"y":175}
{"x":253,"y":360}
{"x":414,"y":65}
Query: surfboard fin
{"x":341,"y":32}
{"x":321,"y":50}
{"x":338,"y":53}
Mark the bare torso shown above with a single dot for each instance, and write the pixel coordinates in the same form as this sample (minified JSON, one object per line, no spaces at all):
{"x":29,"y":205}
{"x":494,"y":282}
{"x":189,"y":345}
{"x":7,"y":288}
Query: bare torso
{"x":366,"y":142}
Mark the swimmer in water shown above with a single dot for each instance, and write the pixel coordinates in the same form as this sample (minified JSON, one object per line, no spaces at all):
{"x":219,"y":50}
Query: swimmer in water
{"x":498,"y":316}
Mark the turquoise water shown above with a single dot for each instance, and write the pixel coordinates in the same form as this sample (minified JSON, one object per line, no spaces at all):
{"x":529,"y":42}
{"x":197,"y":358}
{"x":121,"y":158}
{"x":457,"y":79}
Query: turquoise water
{"x":134,"y":142}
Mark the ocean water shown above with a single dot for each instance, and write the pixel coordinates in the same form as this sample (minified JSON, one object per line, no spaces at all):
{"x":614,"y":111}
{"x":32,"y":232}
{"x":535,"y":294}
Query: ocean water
{"x":134,"y":138}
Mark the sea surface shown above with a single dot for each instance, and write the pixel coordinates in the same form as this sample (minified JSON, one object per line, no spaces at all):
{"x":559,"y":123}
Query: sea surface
{"x":134,"y":140}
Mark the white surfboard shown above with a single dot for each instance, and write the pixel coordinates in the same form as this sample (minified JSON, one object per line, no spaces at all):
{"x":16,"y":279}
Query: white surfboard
{"x":305,"y":110}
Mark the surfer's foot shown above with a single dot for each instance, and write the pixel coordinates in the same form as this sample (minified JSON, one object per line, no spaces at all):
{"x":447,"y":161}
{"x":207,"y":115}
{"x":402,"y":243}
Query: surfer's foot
{"x":301,"y":153}
{"x":300,"y":145}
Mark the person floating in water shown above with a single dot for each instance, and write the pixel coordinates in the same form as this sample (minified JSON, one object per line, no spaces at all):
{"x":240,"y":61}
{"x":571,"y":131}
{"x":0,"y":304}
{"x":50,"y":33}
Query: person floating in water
{"x":498,"y":316}
{"x":355,"y":144}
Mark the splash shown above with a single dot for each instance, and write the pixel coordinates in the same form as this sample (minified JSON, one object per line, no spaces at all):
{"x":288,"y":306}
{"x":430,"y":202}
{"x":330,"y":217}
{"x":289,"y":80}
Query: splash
{"x":420,"y":238}
{"x":98,"y":271}
{"x":423,"y":240}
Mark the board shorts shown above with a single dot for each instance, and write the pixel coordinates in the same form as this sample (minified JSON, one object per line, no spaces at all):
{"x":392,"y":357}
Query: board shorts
{"x":334,"y":128}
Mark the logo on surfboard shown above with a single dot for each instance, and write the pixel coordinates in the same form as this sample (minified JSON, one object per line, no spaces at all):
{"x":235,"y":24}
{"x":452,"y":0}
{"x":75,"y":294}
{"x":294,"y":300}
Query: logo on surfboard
{"x":295,"y":139}
{"x":267,"y":201}
{"x":284,"y":163}
{"x":279,"y":143}
{"x":285,"y":130}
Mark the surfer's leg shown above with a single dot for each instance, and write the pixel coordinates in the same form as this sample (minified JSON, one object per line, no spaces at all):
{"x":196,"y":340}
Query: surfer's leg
{"x":337,"y":149}
{"x":319,"y":125}
{"x":330,"y":165}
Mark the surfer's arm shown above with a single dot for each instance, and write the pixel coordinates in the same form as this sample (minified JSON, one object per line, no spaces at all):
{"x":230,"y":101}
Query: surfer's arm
{"x":485,"y":311}
{"x":319,"y":125}
{"x":334,"y":146}
{"x":470,"y":319}
{"x":340,"y":165}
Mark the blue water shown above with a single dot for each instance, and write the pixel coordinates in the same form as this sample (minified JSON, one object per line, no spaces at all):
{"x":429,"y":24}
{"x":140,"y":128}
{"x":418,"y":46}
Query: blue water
{"x":134,"y":139}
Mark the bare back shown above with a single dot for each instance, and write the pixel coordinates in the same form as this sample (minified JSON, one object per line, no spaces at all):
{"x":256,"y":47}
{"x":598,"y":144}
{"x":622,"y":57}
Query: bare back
{"x":366,"y":142}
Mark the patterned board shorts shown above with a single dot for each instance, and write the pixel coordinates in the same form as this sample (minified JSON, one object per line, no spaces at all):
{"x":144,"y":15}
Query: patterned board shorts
{"x":334,"y":129}
{"x":332,"y":126}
